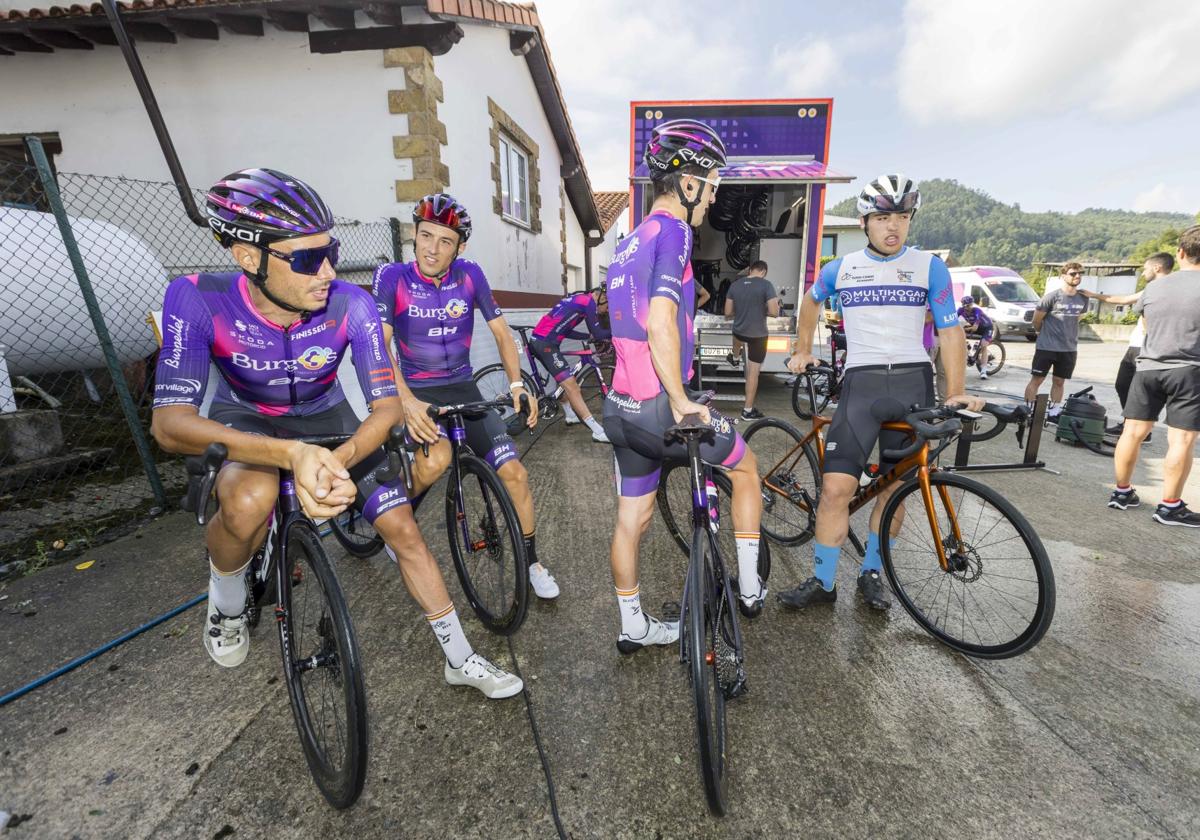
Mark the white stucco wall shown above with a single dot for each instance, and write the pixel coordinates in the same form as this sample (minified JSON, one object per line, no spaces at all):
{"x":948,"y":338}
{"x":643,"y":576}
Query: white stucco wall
{"x":602,"y":253}
{"x":326,"y":119}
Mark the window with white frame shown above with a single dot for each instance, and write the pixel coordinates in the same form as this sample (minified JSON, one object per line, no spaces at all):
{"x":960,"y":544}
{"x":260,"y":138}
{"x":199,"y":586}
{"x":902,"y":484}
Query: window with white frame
{"x":514,"y":181}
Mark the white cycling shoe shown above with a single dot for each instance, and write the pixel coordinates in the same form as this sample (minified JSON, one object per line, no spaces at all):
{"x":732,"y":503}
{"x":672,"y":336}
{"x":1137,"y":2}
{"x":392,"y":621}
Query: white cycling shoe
{"x":495,"y":683}
{"x":657,"y":633}
{"x":600,"y":436}
{"x":226,"y":638}
{"x":543,"y":583}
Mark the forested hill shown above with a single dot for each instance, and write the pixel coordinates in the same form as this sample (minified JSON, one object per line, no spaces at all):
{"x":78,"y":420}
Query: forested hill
{"x":979,"y":230}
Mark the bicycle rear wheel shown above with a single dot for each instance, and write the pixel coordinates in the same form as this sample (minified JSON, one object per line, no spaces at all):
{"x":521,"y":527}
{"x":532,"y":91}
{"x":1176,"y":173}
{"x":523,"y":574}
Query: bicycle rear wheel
{"x":593,"y":386}
{"x":996,"y":355}
{"x":355,"y":534}
{"x":322,"y":668}
{"x":997,"y":598}
{"x":791,"y":480}
{"x":824,"y":384}
{"x":487,"y":546}
{"x":493,"y":382}
{"x":703,"y":651}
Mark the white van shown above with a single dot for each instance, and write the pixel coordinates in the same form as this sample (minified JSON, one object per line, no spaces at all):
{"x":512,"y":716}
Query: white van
{"x":1004,"y":295}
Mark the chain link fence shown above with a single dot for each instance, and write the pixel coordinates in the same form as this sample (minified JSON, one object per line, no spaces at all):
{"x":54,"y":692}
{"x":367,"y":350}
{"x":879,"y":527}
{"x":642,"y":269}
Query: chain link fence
{"x":71,"y":471}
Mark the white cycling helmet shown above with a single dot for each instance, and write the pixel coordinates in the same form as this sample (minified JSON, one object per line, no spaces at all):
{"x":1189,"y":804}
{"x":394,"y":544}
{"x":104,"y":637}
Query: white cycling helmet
{"x":889,"y":194}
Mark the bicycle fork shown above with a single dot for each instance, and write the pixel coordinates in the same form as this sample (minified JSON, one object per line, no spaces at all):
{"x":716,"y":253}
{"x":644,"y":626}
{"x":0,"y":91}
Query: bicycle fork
{"x":931,"y":515}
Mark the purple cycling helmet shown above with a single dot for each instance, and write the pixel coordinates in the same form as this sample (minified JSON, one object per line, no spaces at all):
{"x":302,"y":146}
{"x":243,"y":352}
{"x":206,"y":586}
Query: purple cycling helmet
{"x":262,"y":206}
{"x":444,"y":209}
{"x":680,"y":143}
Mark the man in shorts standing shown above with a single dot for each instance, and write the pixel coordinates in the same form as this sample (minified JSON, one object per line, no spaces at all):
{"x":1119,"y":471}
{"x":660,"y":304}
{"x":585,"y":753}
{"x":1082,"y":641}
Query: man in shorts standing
{"x":1168,"y":376}
{"x":750,"y":300}
{"x":1056,"y":322}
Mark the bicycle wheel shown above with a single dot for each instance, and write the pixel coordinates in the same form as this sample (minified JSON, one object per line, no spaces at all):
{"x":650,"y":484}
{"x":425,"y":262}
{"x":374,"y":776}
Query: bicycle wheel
{"x":674,"y":501}
{"x":355,"y":534}
{"x":704,"y":651}
{"x":322,"y":668}
{"x":791,"y":480}
{"x":997,"y":598}
{"x":593,"y":386}
{"x":493,"y":382}
{"x":487,"y":546}
{"x":996,"y":355}
{"x":823,"y":388}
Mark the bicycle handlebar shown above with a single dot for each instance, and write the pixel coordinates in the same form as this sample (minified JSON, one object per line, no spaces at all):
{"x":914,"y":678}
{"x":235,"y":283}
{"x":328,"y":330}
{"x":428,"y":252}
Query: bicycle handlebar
{"x":202,"y":473}
{"x":921,"y":420}
{"x":477,"y":408}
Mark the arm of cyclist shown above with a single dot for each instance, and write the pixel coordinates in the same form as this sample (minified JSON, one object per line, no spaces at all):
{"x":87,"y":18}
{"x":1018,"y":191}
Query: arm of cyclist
{"x":421,"y":428}
{"x":596,"y":329}
{"x":952,"y":341}
{"x":806,"y":328}
{"x":511,"y":361}
{"x":773,"y":307}
{"x":376,"y":377}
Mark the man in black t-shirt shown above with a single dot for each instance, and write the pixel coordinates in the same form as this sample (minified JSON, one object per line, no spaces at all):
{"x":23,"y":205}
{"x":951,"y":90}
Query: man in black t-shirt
{"x":749,"y":301}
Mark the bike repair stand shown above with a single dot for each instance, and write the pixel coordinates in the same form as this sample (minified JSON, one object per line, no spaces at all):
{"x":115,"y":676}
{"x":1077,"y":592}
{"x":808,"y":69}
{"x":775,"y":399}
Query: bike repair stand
{"x":962,"y":455}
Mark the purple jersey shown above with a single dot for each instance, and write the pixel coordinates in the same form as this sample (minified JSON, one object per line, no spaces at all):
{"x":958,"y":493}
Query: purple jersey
{"x":432,"y":323}
{"x":654,"y":260}
{"x":560,"y":322}
{"x":289,"y":371}
{"x":975,"y":316}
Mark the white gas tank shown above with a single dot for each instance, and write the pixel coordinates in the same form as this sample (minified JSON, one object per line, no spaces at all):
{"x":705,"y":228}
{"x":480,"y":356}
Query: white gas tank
{"x":44,"y":323}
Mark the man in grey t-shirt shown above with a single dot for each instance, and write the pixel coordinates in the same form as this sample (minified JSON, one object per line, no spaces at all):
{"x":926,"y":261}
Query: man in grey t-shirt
{"x":1056,"y":321}
{"x":1168,"y":376}
{"x":749,"y":301}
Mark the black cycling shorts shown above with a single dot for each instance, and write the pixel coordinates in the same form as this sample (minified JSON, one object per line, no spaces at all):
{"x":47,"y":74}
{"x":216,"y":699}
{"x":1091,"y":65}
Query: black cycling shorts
{"x":373,"y":498}
{"x":1062,"y":361}
{"x":1176,"y":389}
{"x":551,"y":357}
{"x":636,"y":429}
{"x":487,"y":436}
{"x":756,"y":348}
{"x":872,"y":396}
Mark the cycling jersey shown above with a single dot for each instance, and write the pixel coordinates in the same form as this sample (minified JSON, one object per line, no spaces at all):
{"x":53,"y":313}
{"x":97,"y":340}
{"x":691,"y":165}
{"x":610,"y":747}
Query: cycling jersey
{"x":560,"y":322}
{"x":976,"y":317}
{"x":654,"y":260}
{"x":883,"y":302}
{"x":433,"y":323}
{"x":278,"y":371}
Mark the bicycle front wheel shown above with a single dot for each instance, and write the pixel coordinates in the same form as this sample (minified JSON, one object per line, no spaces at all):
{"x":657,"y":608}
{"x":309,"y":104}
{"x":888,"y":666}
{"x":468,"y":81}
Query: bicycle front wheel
{"x":487,"y":546}
{"x":996,"y":355}
{"x":997,"y":597}
{"x":355,"y":534}
{"x":703,"y":652}
{"x":791,"y":482}
{"x":322,"y":668}
{"x":594,"y":386}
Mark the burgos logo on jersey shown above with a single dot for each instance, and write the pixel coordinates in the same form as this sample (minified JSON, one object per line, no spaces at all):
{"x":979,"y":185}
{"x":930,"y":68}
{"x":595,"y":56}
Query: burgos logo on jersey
{"x":315,"y":358}
{"x":455,"y":308}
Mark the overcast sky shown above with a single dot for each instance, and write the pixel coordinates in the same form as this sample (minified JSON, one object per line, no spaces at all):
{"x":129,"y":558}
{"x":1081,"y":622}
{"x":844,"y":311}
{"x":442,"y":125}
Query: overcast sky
{"x":1056,"y":105}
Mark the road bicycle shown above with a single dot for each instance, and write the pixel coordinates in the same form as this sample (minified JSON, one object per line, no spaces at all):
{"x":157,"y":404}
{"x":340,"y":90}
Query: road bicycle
{"x":321,"y":663}
{"x":966,"y":565}
{"x":996,"y":355}
{"x":826,"y":381}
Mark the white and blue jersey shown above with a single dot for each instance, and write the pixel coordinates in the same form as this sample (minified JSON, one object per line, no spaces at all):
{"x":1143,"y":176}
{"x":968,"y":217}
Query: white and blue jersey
{"x":883,"y":302}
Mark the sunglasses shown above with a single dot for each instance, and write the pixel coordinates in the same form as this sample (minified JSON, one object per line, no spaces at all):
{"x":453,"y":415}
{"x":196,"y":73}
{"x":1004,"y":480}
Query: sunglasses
{"x":886,"y":204}
{"x":716,"y":182}
{"x":1074,"y":274}
{"x":309,"y":260}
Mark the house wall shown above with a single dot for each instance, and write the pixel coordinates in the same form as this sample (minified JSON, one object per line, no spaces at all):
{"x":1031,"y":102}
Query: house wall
{"x":849,"y":239}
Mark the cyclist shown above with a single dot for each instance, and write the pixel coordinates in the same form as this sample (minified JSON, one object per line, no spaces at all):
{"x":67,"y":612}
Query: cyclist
{"x":652,"y":304}
{"x":978,"y":325}
{"x":884,"y":291}
{"x":429,"y":307}
{"x":277,"y":331}
{"x":559,"y":323}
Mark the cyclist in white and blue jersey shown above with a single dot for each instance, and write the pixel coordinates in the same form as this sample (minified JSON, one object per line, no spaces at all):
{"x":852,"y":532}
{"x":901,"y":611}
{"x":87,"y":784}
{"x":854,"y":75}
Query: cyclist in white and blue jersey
{"x":884,"y":292}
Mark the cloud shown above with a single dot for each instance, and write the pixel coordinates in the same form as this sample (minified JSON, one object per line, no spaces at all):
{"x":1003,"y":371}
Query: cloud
{"x":1162,"y":198}
{"x":996,"y":61}
{"x":807,"y":69}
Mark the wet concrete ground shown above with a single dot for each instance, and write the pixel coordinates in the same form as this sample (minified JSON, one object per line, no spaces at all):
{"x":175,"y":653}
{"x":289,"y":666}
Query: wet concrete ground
{"x":857,"y":724}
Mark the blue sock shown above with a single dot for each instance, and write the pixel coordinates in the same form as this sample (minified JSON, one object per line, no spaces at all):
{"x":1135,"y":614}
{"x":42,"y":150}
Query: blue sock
{"x":872,"y":560}
{"x":825,"y":567}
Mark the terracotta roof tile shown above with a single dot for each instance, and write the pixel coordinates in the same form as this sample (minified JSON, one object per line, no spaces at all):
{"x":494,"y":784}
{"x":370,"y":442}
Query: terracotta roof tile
{"x":610,"y":205}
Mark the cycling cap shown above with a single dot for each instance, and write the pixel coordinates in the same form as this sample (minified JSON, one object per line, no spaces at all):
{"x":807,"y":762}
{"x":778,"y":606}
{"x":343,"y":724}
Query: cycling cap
{"x":262,"y":206}
{"x":889,"y":194}
{"x":678,"y":143}
{"x":443,"y":209}
{"x":967,"y":300}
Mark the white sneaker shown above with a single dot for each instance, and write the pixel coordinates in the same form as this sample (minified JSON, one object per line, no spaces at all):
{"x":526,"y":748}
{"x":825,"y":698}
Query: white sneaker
{"x":477,"y":672}
{"x":983,"y":374}
{"x":543,"y":583}
{"x":657,"y":633}
{"x":226,"y":638}
{"x":569,"y":416}
{"x":599,"y":436}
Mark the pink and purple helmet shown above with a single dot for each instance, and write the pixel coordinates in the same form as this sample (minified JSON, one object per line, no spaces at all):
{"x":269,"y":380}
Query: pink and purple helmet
{"x":262,"y":206}
{"x":679,"y":143}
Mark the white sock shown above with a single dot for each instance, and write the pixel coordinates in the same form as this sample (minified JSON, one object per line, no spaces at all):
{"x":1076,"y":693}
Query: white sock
{"x":227,"y":590}
{"x":594,"y":425}
{"x":450,"y":636}
{"x":747,"y":555}
{"x":634,"y":622}
{"x":570,"y":414}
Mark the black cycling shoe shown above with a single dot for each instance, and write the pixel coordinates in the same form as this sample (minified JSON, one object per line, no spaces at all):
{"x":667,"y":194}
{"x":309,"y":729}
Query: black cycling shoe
{"x":870,"y":589}
{"x":806,"y":594}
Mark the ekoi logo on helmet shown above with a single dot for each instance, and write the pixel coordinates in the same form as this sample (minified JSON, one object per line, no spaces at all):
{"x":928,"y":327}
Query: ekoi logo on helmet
{"x":698,"y":158}
{"x":315,"y":358}
{"x":219,"y":227}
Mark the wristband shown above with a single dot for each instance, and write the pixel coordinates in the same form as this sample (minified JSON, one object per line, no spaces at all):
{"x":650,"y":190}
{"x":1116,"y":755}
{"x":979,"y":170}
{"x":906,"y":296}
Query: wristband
{"x":512,"y":386}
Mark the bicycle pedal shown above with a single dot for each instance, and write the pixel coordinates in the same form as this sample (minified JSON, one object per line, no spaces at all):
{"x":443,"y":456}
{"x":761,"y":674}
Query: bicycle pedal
{"x":670,"y":611}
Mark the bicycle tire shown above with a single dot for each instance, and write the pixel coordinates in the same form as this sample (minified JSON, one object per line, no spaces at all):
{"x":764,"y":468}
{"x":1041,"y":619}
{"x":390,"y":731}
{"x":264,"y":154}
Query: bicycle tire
{"x":707,"y":695}
{"x":340,"y":779}
{"x":824,"y":385}
{"x":492,"y":386}
{"x":973,"y":568}
{"x":590,"y":386}
{"x":787,"y":518}
{"x":346,"y":528}
{"x":501,"y":604}
{"x":994,"y":368}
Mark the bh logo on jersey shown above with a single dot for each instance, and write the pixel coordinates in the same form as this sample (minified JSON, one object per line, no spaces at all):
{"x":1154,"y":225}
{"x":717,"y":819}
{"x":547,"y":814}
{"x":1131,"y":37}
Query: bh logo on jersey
{"x":315,"y":358}
{"x":456,"y":308}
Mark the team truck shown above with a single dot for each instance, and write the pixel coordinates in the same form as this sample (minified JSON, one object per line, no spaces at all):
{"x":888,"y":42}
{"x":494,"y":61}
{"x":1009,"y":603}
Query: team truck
{"x":769,"y":206}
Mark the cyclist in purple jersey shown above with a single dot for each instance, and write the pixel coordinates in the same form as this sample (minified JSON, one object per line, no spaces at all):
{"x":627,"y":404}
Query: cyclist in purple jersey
{"x":429,"y":307}
{"x":547,"y":337}
{"x":277,"y":333}
{"x":977,"y":324}
{"x":651,"y":307}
